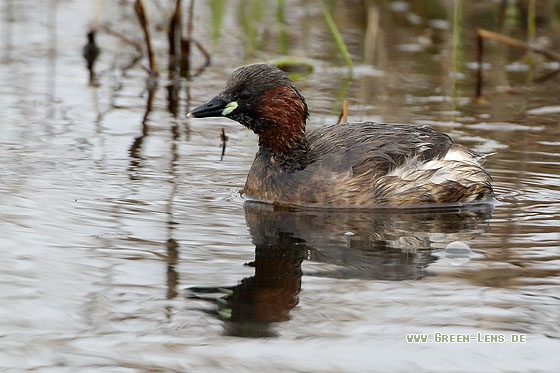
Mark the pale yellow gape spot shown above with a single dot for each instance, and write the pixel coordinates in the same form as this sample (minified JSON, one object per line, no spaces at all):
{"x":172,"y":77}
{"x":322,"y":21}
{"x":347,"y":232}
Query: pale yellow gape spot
{"x":229,"y":108}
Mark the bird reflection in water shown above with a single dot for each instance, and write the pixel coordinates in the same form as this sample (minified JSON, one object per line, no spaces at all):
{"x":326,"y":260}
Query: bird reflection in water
{"x":365,"y":244}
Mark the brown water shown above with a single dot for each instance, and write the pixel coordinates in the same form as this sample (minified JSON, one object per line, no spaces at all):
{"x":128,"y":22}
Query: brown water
{"x":125,"y":246}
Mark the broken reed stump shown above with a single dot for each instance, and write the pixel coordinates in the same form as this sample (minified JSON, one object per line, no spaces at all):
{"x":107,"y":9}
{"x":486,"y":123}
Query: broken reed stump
{"x":485,"y":34}
{"x":343,"y":116}
{"x":186,"y":48}
{"x":180,"y":47}
{"x":139,"y":9}
{"x":224,"y":139}
{"x":174,"y":37}
{"x":90,"y":53}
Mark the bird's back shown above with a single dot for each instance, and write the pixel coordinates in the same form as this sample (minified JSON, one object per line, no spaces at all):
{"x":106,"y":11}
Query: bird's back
{"x":367,"y":164}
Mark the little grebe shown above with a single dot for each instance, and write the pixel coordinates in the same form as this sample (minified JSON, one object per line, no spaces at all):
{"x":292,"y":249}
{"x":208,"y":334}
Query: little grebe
{"x":352,"y":164}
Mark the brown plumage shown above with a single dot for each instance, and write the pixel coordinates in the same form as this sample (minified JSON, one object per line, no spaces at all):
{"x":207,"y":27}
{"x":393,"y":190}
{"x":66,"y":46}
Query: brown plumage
{"x":353,"y":164}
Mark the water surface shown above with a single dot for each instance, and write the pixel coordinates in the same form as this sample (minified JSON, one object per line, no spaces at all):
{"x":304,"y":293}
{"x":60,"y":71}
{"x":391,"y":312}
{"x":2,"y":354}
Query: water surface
{"x":125,"y":245}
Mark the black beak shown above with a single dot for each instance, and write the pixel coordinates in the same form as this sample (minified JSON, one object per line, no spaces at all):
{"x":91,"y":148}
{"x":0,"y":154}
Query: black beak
{"x":212,"y":108}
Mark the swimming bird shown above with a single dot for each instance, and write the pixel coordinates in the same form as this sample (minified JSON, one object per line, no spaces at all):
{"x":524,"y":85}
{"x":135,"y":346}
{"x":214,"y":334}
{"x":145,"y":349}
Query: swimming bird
{"x":362,"y":164}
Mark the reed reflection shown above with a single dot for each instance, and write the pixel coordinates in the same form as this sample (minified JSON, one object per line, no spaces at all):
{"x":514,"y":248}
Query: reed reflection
{"x":365,"y":244}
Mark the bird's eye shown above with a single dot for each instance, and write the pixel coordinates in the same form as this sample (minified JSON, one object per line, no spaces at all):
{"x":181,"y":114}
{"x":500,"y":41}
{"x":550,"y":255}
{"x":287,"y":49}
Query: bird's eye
{"x":245,"y":95}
